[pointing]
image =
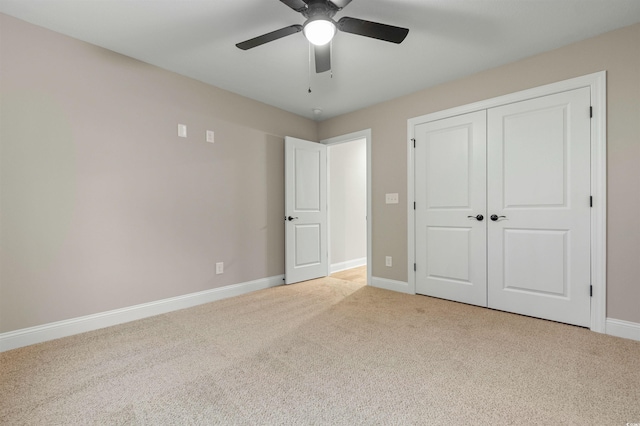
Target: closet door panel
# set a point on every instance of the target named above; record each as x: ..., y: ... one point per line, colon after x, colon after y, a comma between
x: 450, y: 188
x: 539, y: 187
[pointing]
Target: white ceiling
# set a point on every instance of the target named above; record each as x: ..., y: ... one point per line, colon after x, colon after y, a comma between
x: 448, y: 39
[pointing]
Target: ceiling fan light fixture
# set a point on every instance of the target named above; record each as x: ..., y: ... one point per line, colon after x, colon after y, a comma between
x: 319, y: 31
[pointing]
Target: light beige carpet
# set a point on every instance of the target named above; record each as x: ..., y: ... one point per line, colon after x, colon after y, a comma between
x: 356, y: 275
x: 326, y: 352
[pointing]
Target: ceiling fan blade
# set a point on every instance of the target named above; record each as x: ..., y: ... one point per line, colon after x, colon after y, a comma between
x: 266, y: 38
x: 297, y: 5
x: 373, y: 29
x: 341, y: 4
x: 323, y: 58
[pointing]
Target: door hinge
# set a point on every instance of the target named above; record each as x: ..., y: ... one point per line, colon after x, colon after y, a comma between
x: 590, y: 112
x: 415, y: 267
x: 591, y: 201
x: 414, y: 142
x: 414, y: 205
x: 590, y: 291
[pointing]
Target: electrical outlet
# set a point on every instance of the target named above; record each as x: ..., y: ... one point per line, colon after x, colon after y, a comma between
x: 182, y: 130
x: 219, y: 267
x: 210, y: 136
x: 388, y: 261
x: 391, y: 198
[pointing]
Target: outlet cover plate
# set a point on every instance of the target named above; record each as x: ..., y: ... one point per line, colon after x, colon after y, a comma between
x: 391, y: 198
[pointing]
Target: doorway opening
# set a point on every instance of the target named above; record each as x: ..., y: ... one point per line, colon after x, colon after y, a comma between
x: 349, y: 211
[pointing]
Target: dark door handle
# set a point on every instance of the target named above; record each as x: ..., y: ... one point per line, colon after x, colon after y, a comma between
x: 478, y: 217
x: 495, y: 217
x: 291, y: 218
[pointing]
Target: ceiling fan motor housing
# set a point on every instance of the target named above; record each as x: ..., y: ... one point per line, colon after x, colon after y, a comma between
x: 319, y: 9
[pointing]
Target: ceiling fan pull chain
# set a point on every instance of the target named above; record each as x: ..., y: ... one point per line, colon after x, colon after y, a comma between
x: 309, y: 68
x: 331, y: 57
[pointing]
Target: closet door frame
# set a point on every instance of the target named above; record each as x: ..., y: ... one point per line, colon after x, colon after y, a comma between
x: 597, y: 84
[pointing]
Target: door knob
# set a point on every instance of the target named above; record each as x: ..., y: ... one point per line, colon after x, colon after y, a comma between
x: 478, y: 217
x: 495, y: 217
x: 291, y: 218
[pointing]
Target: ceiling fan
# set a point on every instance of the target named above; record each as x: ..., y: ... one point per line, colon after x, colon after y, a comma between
x: 319, y: 28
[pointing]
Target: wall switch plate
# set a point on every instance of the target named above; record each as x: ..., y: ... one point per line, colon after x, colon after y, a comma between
x: 182, y: 130
x: 210, y: 136
x: 219, y: 268
x: 388, y: 261
x: 391, y: 198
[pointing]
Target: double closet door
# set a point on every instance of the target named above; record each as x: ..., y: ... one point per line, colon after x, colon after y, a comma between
x: 503, y: 207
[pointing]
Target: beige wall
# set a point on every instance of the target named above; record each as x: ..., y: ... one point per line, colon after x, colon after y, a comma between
x: 103, y: 206
x: 618, y: 53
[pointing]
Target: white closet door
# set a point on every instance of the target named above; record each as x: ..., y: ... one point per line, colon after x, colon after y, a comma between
x: 450, y: 190
x: 539, y: 187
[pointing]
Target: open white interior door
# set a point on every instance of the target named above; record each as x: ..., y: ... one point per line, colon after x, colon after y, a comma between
x: 305, y: 210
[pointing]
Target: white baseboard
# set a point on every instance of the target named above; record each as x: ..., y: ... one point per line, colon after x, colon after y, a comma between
x: 620, y: 328
x: 56, y: 330
x: 387, y: 284
x: 342, y: 266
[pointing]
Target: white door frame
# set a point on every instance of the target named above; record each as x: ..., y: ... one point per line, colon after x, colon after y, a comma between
x: 597, y: 83
x: 350, y: 137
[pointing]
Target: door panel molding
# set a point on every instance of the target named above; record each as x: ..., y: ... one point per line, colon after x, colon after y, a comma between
x: 597, y: 84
